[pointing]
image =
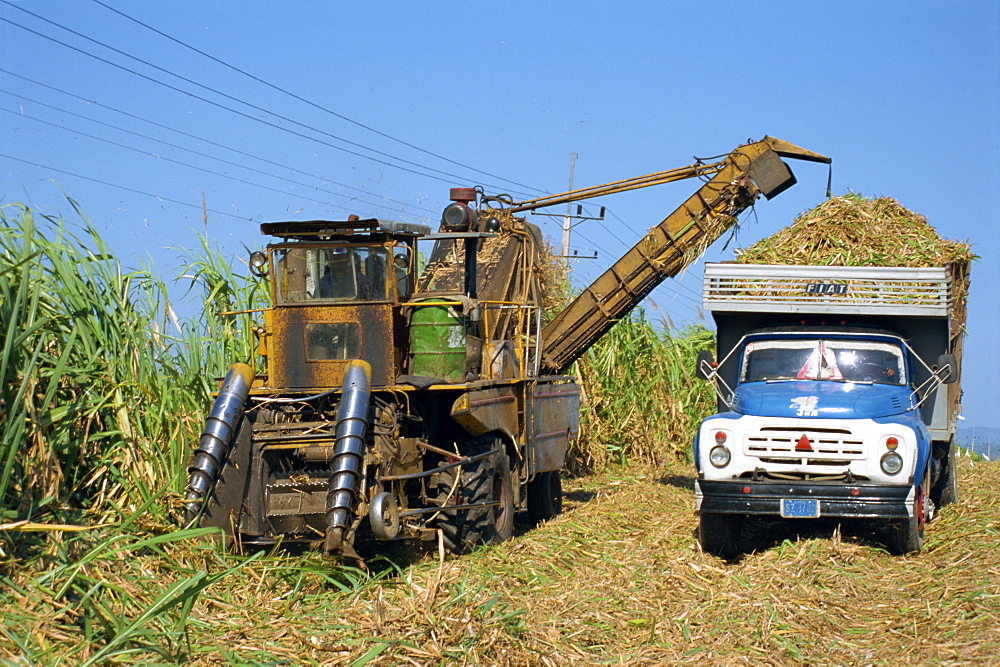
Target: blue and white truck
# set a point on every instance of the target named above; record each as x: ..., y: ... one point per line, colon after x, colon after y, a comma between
x: 838, y: 394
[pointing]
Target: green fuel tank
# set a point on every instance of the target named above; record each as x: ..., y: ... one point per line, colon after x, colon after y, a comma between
x: 437, y: 341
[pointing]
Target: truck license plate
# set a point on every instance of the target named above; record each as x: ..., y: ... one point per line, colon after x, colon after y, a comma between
x: 796, y: 508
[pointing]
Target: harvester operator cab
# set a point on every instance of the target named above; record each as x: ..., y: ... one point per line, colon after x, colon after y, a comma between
x: 306, y: 274
x: 342, y: 277
x: 338, y: 292
x: 319, y: 265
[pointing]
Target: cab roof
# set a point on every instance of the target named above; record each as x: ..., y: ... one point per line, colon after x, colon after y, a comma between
x: 316, y: 230
x: 829, y: 331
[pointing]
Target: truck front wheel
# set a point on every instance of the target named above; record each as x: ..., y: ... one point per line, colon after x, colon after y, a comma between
x: 719, y: 534
x: 906, y: 536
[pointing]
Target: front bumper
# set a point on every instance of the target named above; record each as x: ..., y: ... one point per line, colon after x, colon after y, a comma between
x: 743, y: 496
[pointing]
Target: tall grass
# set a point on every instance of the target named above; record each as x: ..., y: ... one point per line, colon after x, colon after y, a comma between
x: 102, y: 391
x: 230, y: 306
x: 99, y: 402
x: 642, y: 401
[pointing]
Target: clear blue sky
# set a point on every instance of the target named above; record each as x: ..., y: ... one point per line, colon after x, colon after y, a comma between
x: 904, y: 96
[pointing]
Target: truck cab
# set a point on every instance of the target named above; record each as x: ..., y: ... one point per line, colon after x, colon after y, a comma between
x: 840, y: 415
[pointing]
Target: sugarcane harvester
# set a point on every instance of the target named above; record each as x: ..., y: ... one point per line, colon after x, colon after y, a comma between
x: 394, y: 405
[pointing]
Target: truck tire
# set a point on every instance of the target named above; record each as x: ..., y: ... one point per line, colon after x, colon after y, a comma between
x: 488, y: 480
x: 906, y: 536
x: 719, y: 534
x: 945, y: 491
x: 545, y: 496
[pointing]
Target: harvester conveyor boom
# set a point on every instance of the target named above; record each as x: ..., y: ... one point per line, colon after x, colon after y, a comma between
x: 737, y: 180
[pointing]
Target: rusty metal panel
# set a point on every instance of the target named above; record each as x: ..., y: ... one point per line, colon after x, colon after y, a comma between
x: 552, y: 419
x: 310, y: 346
x: 481, y: 411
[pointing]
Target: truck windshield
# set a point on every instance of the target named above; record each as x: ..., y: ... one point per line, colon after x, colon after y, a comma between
x: 816, y: 359
x: 336, y: 273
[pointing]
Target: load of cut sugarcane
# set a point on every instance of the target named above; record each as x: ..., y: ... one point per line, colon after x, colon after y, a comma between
x: 852, y: 230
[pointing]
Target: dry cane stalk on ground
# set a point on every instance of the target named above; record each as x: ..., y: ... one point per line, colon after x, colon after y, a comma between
x: 617, y: 578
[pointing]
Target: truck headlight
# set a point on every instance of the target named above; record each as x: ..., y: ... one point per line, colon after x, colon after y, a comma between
x: 719, y: 456
x: 891, y: 463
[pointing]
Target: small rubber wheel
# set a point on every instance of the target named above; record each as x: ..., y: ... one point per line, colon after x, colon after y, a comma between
x: 384, y: 516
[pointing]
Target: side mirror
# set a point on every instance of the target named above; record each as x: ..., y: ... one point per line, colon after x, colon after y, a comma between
x: 706, y: 365
x: 947, y: 368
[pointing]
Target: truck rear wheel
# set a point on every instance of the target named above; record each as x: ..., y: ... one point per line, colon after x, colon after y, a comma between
x: 487, y: 482
x: 945, y: 491
x: 545, y: 496
x: 719, y: 534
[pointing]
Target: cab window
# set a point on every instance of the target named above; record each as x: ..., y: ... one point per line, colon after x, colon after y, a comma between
x: 335, y: 273
x: 833, y: 359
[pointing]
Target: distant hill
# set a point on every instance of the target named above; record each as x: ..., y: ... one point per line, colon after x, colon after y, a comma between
x: 980, y: 439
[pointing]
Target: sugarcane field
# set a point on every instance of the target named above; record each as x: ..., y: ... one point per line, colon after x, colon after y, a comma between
x: 103, y: 561
x: 490, y: 333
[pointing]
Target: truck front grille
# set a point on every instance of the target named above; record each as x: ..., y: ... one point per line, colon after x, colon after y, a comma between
x: 828, y: 447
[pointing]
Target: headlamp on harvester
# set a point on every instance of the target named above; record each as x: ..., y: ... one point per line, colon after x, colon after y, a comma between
x: 258, y: 263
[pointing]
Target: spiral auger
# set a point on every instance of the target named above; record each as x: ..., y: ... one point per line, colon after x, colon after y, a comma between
x: 216, y: 438
x: 348, y: 457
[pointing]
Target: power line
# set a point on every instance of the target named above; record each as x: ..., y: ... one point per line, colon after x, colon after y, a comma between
x: 182, y: 148
x: 309, y: 102
x: 122, y: 187
x: 677, y: 294
x: 695, y: 295
x: 609, y: 232
x: 207, y: 141
x: 195, y: 83
x: 230, y: 109
x: 164, y: 158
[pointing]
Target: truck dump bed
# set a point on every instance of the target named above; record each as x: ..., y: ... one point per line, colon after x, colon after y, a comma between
x: 844, y: 290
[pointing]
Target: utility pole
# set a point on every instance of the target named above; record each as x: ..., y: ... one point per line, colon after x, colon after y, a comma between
x: 204, y: 213
x: 568, y: 218
x: 569, y: 211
